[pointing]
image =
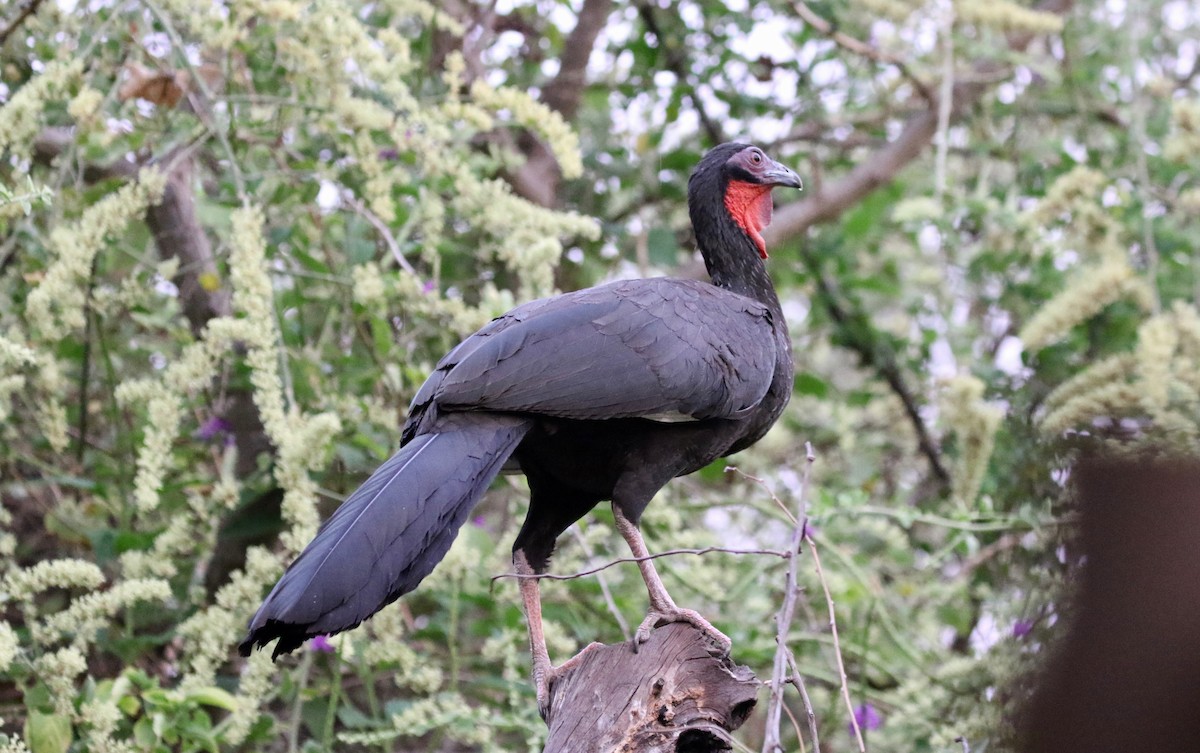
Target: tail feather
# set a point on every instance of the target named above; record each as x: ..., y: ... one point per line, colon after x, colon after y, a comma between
x: 389, y: 534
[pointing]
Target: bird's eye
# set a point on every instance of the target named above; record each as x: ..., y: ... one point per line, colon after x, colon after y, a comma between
x: 756, y: 158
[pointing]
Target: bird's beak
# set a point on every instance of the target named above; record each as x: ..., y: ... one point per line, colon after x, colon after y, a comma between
x: 779, y: 175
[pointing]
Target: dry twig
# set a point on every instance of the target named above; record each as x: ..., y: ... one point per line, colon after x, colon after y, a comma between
x: 850, y: 44
x: 798, y: 681
x: 878, y: 169
x: 380, y: 226
x: 603, y: 582
x: 783, y: 623
x: 25, y: 12
x: 837, y: 646
x: 621, y: 560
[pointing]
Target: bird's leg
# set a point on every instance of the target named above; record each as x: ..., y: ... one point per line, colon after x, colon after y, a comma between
x: 544, y: 673
x: 663, y: 609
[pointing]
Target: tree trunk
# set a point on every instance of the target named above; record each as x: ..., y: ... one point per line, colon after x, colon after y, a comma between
x: 672, y: 696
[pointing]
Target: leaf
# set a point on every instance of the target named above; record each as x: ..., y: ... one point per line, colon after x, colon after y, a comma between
x: 143, y: 732
x: 807, y: 384
x: 48, y: 733
x: 214, y: 696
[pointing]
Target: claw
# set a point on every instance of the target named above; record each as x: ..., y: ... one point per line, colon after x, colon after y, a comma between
x: 659, y: 617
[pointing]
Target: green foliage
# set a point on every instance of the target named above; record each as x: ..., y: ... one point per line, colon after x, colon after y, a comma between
x: 175, y: 420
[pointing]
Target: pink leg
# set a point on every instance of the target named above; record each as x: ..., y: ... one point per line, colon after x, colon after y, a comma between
x: 544, y: 673
x: 663, y: 609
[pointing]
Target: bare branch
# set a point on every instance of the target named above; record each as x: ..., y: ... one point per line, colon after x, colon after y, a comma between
x: 25, y: 12
x: 783, y: 619
x: 883, y: 363
x: 538, y: 179
x: 837, y: 646
x: 179, y: 234
x: 798, y: 681
x: 565, y: 90
x: 677, y: 63
x: 945, y: 99
x: 849, y: 43
x: 833, y: 198
x: 380, y: 227
x: 622, y: 560
x: 603, y: 583
x: 829, y: 201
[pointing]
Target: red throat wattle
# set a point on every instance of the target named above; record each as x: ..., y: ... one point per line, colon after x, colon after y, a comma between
x: 750, y: 206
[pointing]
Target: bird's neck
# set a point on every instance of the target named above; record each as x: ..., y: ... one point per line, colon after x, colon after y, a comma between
x: 741, y: 272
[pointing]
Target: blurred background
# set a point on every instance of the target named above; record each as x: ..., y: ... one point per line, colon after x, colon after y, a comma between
x: 236, y: 236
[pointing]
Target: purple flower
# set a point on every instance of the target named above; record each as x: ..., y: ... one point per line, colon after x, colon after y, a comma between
x: 321, y: 643
x: 867, y: 718
x: 1022, y: 628
x: 214, y: 428
x: 478, y: 521
x: 389, y: 154
x: 428, y: 287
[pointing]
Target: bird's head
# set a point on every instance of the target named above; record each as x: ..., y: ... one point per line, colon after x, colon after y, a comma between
x: 736, y: 179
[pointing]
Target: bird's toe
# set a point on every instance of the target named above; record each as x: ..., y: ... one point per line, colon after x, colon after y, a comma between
x: 659, y: 617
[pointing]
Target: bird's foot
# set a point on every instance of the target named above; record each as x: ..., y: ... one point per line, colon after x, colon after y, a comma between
x: 659, y: 617
x: 544, y: 677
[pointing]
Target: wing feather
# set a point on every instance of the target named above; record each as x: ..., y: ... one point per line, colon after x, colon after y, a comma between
x: 658, y: 347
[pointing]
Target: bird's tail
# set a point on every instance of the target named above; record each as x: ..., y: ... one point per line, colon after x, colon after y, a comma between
x: 389, y: 534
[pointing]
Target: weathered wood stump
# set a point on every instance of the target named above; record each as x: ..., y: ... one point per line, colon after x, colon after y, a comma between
x: 675, y: 695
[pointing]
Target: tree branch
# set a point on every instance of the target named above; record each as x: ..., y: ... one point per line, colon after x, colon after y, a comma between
x: 179, y: 234
x: 622, y: 560
x: 837, y: 646
x: 677, y: 63
x: 538, y: 179
x: 565, y: 90
x: 783, y: 624
x: 828, y: 202
x: 176, y: 227
x: 849, y: 43
x: 878, y: 359
x: 670, y: 695
x: 25, y: 12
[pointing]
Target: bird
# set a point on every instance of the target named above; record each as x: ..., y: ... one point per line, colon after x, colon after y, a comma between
x: 602, y: 394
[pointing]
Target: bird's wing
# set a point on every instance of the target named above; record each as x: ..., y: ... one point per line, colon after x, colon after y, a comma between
x: 658, y: 348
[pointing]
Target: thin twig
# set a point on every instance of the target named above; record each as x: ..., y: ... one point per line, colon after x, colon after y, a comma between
x: 218, y: 129
x: 849, y: 43
x: 621, y: 560
x: 677, y: 62
x: 1138, y: 123
x: 783, y: 619
x: 30, y: 8
x: 795, y: 726
x: 945, y: 100
x: 380, y: 227
x: 798, y: 681
x: 603, y: 582
x: 837, y: 646
x: 293, y: 728
x: 965, y: 744
x: 85, y: 368
x: 767, y: 489
x: 861, y: 338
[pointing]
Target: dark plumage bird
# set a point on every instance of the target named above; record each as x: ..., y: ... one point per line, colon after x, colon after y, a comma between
x: 603, y: 394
